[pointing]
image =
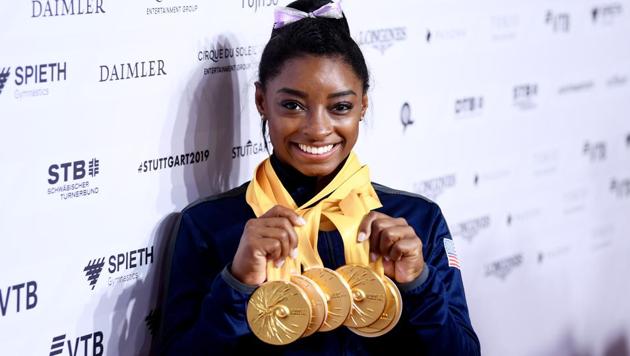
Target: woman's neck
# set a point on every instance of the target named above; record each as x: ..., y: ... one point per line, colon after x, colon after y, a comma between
x: 301, y: 187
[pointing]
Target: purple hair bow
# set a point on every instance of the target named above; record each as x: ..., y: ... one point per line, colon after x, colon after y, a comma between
x: 286, y: 15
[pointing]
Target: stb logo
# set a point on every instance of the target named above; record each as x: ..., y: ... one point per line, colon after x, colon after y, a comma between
x: 4, y: 76
x: 93, y: 270
x: 76, y: 168
x: 405, y: 116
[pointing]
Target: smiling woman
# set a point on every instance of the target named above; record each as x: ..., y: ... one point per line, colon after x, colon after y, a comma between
x: 310, y: 256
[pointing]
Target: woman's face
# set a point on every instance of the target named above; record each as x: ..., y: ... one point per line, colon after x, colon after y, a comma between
x: 313, y: 107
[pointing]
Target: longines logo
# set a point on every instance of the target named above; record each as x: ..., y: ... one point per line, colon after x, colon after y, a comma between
x: 121, y: 262
x: 558, y: 22
x: 468, y: 107
x: 22, y: 295
x: 132, y: 70
x: 504, y: 267
x: 156, y: 164
x: 258, y: 4
x: 28, y: 76
x: 471, y: 228
x: 405, y: 116
x: 433, y: 188
x: 524, y: 96
x: 576, y: 87
x: 594, y: 151
x: 52, y: 8
x: 620, y: 187
x: 382, y: 39
x: 72, y: 179
x: 86, y: 345
x: 171, y: 9
x: 248, y: 149
x: 606, y: 14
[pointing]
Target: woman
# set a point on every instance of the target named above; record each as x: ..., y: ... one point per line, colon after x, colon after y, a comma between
x: 312, y: 94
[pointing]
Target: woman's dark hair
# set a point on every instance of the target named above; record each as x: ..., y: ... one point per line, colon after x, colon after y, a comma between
x: 311, y: 36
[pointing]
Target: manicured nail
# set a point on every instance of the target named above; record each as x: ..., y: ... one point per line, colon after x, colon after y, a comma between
x: 373, y: 257
x: 301, y: 221
x: 386, y: 258
x: 362, y: 236
x: 294, y: 253
x: 279, y: 263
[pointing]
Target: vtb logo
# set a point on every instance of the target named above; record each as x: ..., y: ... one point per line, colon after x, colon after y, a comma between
x: 73, y: 170
x: 4, y: 76
x: 60, y: 345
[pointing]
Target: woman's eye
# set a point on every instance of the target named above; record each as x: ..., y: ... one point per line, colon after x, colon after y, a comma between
x: 343, y: 107
x: 291, y: 105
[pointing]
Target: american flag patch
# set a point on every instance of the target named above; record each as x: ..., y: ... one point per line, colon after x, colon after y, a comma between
x: 451, y: 254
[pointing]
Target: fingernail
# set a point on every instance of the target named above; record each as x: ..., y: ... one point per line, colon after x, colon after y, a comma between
x: 386, y: 258
x: 362, y: 236
x: 301, y: 221
x: 294, y: 253
x: 373, y: 257
x: 279, y: 263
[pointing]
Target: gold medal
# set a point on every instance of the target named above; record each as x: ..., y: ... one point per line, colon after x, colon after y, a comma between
x: 389, y: 318
x: 318, y: 302
x: 368, y: 295
x: 338, y: 295
x: 279, y: 312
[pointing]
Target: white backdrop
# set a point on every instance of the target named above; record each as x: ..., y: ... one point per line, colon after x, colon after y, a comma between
x: 513, y: 116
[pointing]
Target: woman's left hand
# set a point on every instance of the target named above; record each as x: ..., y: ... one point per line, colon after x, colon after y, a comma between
x: 397, y: 242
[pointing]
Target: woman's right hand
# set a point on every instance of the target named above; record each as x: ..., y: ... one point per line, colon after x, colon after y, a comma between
x: 268, y: 237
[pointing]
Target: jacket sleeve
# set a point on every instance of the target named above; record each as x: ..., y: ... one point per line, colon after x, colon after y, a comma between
x: 434, y: 305
x: 204, y: 307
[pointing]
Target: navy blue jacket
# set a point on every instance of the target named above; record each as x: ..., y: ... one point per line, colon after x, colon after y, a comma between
x: 205, y: 306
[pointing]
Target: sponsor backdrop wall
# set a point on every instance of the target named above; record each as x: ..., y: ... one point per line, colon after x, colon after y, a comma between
x: 513, y: 116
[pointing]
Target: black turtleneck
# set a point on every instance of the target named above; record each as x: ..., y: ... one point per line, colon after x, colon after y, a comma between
x: 301, y: 187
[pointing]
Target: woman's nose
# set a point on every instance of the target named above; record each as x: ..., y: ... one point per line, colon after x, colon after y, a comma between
x: 318, y: 124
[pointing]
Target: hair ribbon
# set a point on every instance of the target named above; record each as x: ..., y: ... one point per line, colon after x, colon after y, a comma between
x: 287, y: 15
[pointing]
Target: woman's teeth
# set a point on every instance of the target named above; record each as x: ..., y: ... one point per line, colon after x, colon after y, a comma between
x: 315, y: 150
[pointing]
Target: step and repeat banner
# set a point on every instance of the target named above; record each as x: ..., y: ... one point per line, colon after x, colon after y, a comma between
x: 513, y: 116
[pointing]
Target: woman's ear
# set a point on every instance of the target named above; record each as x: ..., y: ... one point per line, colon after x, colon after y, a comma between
x: 260, y: 98
x: 364, y: 105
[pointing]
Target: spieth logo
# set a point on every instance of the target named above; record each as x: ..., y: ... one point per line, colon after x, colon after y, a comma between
x: 133, y: 70
x: 36, y: 74
x: 24, y: 294
x: 4, y: 76
x: 596, y: 151
x: 524, y: 95
x: 72, y: 177
x: 258, y: 4
x: 48, y: 8
x: 79, y: 345
x: 606, y: 14
x: 405, y: 116
x: 502, y: 268
x: 469, y: 229
x: 248, y: 150
x: 559, y: 22
x: 620, y: 187
x: 433, y: 188
x: 382, y: 39
x: 119, y: 263
x: 468, y: 107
